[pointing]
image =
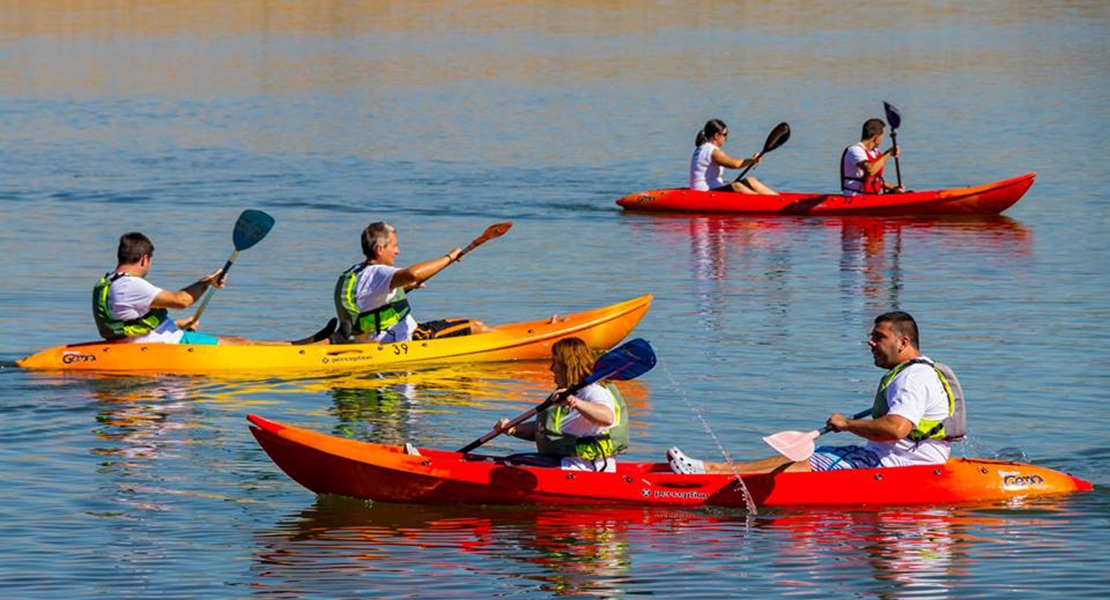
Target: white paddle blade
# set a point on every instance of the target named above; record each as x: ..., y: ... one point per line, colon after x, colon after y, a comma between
x: 795, y: 445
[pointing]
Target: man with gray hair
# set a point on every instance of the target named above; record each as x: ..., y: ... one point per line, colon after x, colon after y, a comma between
x: 370, y: 296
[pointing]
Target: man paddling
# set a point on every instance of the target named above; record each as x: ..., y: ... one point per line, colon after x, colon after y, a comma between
x: 915, y: 414
x: 861, y: 164
x: 370, y: 296
x: 127, y: 307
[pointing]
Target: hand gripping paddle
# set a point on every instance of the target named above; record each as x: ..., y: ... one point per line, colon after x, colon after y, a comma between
x: 797, y: 445
x: 627, y: 361
x: 895, y: 119
x: 252, y: 226
x: 776, y: 138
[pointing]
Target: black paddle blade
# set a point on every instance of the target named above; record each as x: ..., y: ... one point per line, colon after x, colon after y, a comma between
x: 893, y: 117
x: 777, y: 137
x: 252, y: 226
x: 627, y: 361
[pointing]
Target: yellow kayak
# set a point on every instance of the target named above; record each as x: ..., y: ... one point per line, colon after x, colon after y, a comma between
x: 601, y: 328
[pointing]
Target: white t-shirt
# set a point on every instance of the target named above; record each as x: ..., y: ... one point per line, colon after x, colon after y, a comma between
x: 578, y: 426
x: 850, y: 168
x: 916, y: 393
x: 372, y: 291
x: 129, y: 298
x: 705, y: 173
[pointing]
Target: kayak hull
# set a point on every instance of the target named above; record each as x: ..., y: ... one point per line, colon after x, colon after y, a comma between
x: 331, y: 465
x: 989, y: 199
x: 600, y: 328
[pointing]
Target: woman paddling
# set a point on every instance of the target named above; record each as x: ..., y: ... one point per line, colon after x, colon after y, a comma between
x: 709, y: 161
x: 584, y: 431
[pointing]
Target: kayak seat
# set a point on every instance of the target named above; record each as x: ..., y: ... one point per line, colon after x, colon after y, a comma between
x: 534, y: 459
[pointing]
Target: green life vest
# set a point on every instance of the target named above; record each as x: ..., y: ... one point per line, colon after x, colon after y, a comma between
x: 953, y: 427
x: 112, y: 328
x: 551, y: 440
x: 372, y: 321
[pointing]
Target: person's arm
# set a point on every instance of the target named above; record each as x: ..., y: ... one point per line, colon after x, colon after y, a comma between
x: 185, y: 297
x: 524, y: 431
x: 887, y: 428
x: 592, y: 411
x: 872, y: 167
x: 722, y: 158
x: 410, y: 277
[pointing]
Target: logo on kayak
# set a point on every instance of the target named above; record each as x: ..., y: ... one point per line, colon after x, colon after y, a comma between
x: 644, y: 199
x: 670, y: 494
x: 77, y: 357
x: 346, y: 359
x: 1012, y: 480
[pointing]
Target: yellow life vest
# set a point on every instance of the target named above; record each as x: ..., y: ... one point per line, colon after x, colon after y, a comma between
x: 375, y: 320
x: 112, y: 328
x: 951, y: 428
x: 551, y: 440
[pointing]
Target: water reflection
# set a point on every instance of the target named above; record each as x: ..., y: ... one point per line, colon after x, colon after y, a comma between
x: 871, y: 259
x: 614, y: 551
x: 393, y: 408
x: 909, y: 553
x: 757, y: 251
x: 561, y: 551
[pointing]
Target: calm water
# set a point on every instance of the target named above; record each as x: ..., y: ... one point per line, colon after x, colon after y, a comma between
x: 173, y: 116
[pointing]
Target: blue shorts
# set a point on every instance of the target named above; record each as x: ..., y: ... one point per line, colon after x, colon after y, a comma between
x: 831, y: 458
x: 198, y: 339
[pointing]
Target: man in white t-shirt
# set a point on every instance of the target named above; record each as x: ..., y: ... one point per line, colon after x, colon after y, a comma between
x: 127, y: 307
x: 910, y: 402
x: 861, y: 164
x: 370, y: 296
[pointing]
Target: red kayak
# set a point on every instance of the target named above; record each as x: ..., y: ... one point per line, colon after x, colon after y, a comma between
x: 989, y: 199
x: 332, y: 465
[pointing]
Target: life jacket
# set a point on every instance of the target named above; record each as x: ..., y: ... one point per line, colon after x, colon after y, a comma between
x: 953, y: 427
x: 551, y: 440
x: 869, y: 184
x: 112, y: 328
x: 375, y: 320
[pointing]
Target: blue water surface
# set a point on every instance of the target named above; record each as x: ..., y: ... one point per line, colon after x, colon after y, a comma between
x: 442, y: 118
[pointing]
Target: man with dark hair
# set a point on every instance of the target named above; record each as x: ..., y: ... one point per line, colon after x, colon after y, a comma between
x: 370, y: 296
x: 916, y: 401
x: 128, y: 307
x: 861, y: 164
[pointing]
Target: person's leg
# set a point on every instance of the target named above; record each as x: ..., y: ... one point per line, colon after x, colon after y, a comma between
x: 771, y: 464
x: 451, y: 327
x: 196, y: 338
x: 479, y: 327
x: 741, y: 188
x: 755, y: 186
x: 680, y: 463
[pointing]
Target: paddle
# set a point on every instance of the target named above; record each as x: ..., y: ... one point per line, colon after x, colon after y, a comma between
x: 776, y: 138
x: 797, y: 445
x: 895, y: 119
x: 252, y: 226
x: 627, y: 361
x: 493, y: 231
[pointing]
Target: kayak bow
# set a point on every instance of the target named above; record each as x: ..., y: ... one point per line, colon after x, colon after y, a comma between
x: 332, y: 465
x: 989, y: 199
x: 601, y: 328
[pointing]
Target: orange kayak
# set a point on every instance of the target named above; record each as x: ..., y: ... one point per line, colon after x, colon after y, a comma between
x: 601, y: 328
x: 332, y: 465
x: 989, y: 199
